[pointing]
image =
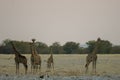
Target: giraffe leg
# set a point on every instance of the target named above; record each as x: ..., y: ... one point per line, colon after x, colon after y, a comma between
x: 95, y: 67
x: 86, y: 66
x: 48, y: 66
x: 16, y: 68
x: 36, y: 68
x: 26, y: 67
x: 53, y: 66
x: 40, y: 68
x: 86, y: 69
x: 31, y: 68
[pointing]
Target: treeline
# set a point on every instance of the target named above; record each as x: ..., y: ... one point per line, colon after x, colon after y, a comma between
x: 106, y: 47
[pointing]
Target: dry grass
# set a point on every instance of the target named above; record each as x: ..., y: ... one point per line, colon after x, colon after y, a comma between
x: 66, y: 65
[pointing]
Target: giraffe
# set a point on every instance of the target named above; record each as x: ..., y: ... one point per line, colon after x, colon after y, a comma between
x: 50, y: 61
x: 19, y: 59
x: 35, y: 58
x: 93, y: 57
x: 32, y: 57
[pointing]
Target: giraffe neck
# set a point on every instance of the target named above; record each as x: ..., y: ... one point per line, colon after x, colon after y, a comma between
x: 34, y: 48
x: 51, y: 54
x: 94, y: 52
x: 95, y: 49
x: 32, y: 52
x: 15, y: 50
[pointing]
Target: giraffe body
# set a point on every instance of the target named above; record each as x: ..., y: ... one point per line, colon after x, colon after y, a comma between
x: 50, y: 61
x: 19, y: 59
x: 93, y: 57
x: 35, y: 59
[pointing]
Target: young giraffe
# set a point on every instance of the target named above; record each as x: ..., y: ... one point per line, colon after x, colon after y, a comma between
x: 50, y: 61
x: 32, y: 58
x: 92, y: 57
x: 35, y: 58
x: 19, y: 59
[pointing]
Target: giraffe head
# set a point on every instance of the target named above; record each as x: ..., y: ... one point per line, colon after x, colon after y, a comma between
x: 98, y: 39
x: 33, y: 40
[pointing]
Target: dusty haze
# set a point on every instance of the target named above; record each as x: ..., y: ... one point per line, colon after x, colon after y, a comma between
x: 60, y: 20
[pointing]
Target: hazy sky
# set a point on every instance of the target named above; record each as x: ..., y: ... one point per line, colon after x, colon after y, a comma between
x: 60, y: 20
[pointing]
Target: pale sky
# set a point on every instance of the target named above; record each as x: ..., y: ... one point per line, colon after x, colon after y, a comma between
x: 52, y: 21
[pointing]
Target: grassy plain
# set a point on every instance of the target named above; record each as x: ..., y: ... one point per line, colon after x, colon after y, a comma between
x: 66, y: 65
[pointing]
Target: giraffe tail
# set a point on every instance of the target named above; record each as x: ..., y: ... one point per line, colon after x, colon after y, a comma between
x: 26, y: 66
x: 86, y: 65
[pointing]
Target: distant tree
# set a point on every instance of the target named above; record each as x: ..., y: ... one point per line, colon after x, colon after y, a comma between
x: 71, y: 47
x: 91, y: 45
x: 6, y: 47
x: 42, y: 48
x: 22, y: 46
x: 115, y: 50
x: 56, y: 48
x: 83, y: 50
x: 6, y: 42
x: 104, y: 46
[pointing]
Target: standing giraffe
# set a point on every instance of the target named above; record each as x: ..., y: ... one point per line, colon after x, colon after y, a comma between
x: 32, y: 57
x: 50, y: 61
x: 93, y: 57
x: 35, y: 58
x: 19, y: 59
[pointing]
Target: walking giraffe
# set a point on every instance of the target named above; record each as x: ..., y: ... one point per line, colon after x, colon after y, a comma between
x: 35, y: 58
x: 19, y: 59
x: 50, y: 61
x: 93, y: 57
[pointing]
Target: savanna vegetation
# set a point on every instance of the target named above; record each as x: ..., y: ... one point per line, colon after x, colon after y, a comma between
x: 106, y: 47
